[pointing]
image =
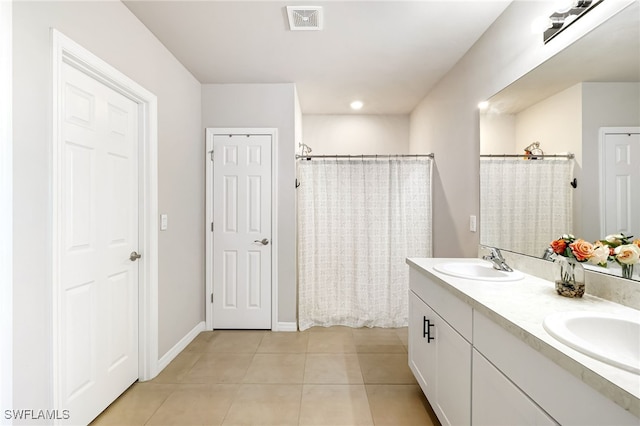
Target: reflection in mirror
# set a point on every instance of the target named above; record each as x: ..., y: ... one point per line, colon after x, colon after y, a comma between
x: 585, y: 101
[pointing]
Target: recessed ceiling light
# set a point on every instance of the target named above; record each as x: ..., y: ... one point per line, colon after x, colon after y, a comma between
x: 356, y: 105
x: 483, y: 105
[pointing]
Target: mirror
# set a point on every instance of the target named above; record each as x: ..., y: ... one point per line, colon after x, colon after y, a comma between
x: 563, y: 104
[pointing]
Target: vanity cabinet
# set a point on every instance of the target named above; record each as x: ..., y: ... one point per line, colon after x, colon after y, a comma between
x: 439, y: 356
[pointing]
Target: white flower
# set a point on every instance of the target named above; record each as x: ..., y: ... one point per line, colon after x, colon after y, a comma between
x: 627, y: 254
x: 600, y: 255
x: 614, y: 238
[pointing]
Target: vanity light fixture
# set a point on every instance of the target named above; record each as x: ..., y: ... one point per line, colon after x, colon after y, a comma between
x: 565, y: 13
x: 357, y: 105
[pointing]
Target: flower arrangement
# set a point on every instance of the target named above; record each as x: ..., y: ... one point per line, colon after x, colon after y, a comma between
x: 616, y: 247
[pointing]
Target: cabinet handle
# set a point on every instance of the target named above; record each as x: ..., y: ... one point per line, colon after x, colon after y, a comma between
x: 426, y: 329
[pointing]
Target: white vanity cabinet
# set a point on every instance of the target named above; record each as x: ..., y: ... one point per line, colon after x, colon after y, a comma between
x: 439, y: 356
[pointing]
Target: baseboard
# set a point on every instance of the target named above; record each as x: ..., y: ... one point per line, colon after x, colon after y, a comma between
x: 286, y: 326
x: 179, y: 347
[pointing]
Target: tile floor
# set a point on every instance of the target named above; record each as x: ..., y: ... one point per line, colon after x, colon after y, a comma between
x: 322, y: 376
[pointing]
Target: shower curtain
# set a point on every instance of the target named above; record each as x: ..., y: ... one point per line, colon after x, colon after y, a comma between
x: 358, y: 220
x: 525, y: 204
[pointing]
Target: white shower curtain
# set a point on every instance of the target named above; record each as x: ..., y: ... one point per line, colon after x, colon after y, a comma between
x: 358, y: 220
x: 525, y: 204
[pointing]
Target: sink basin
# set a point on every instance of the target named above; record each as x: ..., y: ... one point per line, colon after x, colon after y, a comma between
x: 477, y: 270
x: 606, y: 337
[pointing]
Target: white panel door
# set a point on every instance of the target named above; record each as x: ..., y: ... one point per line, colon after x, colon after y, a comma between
x: 98, y: 297
x: 242, y: 231
x: 622, y: 183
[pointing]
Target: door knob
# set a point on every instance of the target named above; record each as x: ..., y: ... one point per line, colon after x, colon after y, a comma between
x: 134, y: 256
x: 264, y: 241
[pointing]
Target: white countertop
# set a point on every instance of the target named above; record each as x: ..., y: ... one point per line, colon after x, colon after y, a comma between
x: 521, y: 306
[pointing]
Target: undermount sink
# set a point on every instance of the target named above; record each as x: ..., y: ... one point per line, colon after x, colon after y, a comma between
x: 477, y: 270
x: 612, y: 339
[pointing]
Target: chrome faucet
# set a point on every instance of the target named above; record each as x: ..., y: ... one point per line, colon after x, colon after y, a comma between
x: 496, y: 258
x: 548, y: 254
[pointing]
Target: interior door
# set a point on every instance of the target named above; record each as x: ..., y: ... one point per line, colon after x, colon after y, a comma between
x: 98, y: 299
x: 621, y: 207
x: 242, y: 231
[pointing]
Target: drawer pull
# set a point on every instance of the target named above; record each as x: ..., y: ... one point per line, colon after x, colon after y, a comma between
x: 426, y: 329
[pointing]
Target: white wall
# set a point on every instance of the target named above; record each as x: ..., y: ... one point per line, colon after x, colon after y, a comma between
x: 6, y: 212
x: 356, y: 134
x: 604, y: 105
x: 274, y: 106
x: 110, y: 31
x: 446, y: 122
x: 497, y: 133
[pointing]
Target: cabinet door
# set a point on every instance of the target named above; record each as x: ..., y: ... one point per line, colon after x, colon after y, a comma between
x: 441, y: 365
x: 421, y: 353
x: 452, y: 403
x: 497, y: 401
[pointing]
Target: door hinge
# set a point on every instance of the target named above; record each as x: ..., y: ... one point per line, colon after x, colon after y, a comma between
x: 211, y: 226
x: 211, y: 153
x: 211, y: 297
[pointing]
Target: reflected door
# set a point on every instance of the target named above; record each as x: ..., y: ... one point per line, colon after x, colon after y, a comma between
x: 621, y: 186
x: 242, y: 231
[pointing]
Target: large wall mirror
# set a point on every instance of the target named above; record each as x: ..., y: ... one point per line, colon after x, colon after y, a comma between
x: 572, y: 105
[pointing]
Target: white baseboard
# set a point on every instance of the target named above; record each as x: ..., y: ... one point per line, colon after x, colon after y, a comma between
x: 286, y: 326
x: 179, y: 347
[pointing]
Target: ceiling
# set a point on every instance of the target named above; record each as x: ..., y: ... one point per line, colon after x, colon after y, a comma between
x: 388, y: 54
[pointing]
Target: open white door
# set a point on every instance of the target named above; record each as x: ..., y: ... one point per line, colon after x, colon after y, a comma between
x: 98, y: 273
x: 241, y: 231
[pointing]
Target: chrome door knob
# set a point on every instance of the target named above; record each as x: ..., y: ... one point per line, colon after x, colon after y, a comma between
x: 264, y: 241
x: 134, y: 256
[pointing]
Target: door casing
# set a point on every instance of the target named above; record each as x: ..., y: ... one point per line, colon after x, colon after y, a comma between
x: 209, y: 134
x: 65, y: 50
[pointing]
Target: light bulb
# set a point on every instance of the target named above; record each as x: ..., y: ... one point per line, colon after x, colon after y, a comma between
x: 356, y: 105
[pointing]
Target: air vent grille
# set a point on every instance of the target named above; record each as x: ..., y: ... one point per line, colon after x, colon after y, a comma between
x: 305, y: 18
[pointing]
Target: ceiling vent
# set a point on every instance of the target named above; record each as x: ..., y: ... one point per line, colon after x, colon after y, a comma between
x: 305, y: 18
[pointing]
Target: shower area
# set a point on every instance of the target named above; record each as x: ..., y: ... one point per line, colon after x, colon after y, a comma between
x: 359, y: 217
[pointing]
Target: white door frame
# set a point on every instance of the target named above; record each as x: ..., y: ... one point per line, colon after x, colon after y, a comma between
x: 209, y: 134
x: 6, y: 213
x: 67, y: 51
x: 604, y: 131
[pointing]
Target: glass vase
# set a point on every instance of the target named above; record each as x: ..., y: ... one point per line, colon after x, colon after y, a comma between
x: 569, y: 277
x: 627, y: 270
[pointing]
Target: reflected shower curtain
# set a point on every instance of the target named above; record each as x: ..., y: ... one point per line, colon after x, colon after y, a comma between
x: 358, y: 220
x: 525, y: 204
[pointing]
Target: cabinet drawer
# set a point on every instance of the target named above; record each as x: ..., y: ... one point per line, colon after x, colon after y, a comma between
x: 457, y: 313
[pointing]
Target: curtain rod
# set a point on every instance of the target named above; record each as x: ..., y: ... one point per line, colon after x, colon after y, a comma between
x: 569, y: 156
x: 309, y: 157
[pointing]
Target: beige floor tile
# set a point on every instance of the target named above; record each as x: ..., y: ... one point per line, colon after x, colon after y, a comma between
x: 235, y: 341
x: 403, y: 334
x: 332, y: 368
x: 334, y: 405
x: 195, y: 404
x: 219, y: 368
x: 201, y: 342
x: 284, y: 343
x: 178, y: 368
x: 331, y: 342
x: 386, y: 369
x: 276, y: 368
x: 265, y: 405
x: 376, y: 336
x: 136, y: 405
x: 398, y: 405
x: 332, y: 329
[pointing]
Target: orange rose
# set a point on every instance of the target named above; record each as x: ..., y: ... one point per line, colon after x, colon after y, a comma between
x: 558, y: 246
x: 581, y: 249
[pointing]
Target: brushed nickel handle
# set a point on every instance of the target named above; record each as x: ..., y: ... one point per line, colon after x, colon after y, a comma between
x: 134, y: 256
x: 264, y: 241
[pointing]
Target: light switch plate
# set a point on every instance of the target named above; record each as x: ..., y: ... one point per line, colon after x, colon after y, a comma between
x: 472, y: 223
x: 164, y: 219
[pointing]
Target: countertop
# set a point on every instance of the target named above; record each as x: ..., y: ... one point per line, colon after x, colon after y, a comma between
x: 521, y: 306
